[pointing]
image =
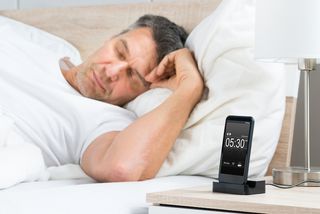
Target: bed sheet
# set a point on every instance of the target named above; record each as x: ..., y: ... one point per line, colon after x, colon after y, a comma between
x: 86, y: 196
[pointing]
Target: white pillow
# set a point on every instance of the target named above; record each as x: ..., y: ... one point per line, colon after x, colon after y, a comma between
x: 238, y: 85
x: 46, y: 40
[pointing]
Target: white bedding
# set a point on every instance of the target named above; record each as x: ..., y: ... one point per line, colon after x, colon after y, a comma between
x: 25, y: 163
x: 84, y: 197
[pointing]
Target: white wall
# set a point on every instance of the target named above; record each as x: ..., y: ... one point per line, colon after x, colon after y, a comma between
x: 8, y: 4
x: 28, y: 4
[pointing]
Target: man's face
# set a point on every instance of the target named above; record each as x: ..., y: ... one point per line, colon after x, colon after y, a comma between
x: 115, y: 72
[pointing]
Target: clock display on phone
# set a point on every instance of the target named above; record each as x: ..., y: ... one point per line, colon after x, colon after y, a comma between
x: 235, y: 147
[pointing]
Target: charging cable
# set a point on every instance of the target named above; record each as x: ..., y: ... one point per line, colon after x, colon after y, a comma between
x: 294, y: 185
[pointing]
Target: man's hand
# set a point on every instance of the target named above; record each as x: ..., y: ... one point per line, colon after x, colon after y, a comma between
x: 178, y: 70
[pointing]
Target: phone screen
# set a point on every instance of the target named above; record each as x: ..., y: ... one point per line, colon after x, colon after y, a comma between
x: 235, y: 147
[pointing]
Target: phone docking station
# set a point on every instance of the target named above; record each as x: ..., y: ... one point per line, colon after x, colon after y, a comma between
x: 248, y: 188
x: 235, y: 158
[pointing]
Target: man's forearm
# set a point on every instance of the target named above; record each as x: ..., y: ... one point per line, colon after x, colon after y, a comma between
x: 145, y: 144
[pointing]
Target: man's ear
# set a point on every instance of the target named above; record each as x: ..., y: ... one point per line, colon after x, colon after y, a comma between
x: 65, y: 64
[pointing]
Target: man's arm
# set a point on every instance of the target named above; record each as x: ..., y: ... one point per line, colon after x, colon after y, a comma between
x: 138, y: 152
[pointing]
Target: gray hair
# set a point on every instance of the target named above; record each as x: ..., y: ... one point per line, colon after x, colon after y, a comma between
x: 167, y: 35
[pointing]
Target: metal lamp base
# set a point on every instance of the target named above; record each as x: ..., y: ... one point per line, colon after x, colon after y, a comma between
x: 293, y: 175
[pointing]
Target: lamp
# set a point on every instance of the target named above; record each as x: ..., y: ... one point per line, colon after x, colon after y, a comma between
x: 288, y: 31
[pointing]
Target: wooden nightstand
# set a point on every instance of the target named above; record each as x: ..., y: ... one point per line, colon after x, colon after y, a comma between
x: 202, y: 200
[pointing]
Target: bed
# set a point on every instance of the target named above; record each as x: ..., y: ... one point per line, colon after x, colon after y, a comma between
x: 84, y: 195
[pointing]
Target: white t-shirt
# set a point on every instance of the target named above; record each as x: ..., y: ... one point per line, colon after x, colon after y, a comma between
x: 47, y: 111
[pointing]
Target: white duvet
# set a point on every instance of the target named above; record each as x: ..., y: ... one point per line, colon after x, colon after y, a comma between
x: 22, y: 161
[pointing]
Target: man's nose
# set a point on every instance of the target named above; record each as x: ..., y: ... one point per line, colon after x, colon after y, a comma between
x: 115, y: 69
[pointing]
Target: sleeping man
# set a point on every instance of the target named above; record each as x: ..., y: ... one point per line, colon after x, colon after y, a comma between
x: 74, y: 115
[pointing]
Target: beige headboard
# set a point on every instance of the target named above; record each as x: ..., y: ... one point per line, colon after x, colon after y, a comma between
x: 88, y: 27
x: 282, y: 156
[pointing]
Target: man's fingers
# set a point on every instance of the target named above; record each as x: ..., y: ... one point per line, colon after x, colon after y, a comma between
x: 166, y: 83
x: 164, y: 70
x: 160, y: 84
x: 152, y: 76
x: 164, y: 65
x: 177, y: 68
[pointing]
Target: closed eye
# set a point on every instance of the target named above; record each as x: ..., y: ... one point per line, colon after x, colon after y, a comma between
x: 136, y: 78
x: 130, y: 72
x: 120, y: 54
x: 142, y: 80
x: 122, y: 49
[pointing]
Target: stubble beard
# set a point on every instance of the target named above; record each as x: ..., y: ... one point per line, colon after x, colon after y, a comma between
x: 85, y: 85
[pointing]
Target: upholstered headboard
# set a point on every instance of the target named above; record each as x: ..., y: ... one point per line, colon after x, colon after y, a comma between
x: 88, y: 27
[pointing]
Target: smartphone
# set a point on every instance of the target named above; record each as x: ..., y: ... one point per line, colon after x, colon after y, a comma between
x: 236, y: 148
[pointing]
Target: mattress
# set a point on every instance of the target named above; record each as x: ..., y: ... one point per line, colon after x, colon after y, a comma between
x: 86, y: 196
